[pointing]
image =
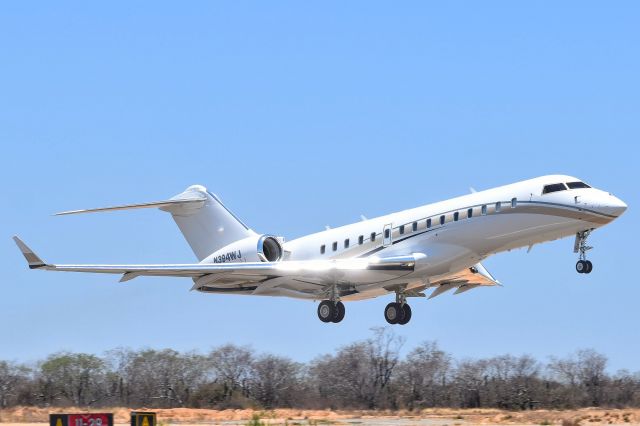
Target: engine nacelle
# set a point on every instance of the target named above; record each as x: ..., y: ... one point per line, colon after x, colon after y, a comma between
x: 258, y: 248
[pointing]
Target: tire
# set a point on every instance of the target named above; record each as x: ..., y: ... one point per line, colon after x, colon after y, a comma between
x: 339, y: 312
x: 326, y: 311
x: 392, y: 313
x: 406, y: 310
x: 581, y: 266
x: 589, y: 267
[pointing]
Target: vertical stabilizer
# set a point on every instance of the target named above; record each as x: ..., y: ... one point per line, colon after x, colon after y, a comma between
x: 207, y: 226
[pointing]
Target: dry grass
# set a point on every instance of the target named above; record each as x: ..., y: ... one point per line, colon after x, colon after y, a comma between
x: 185, y: 416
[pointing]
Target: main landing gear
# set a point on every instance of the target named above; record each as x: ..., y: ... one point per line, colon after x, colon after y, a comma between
x: 330, y: 311
x: 398, y: 312
x: 583, y: 266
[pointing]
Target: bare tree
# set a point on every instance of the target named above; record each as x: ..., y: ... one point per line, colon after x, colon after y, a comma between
x: 274, y: 381
x: 119, y: 362
x: 359, y: 374
x: 582, y: 378
x: 623, y: 389
x: 13, y: 378
x: 365, y: 374
x: 164, y: 378
x: 470, y: 382
x: 512, y: 382
x: 591, y: 372
x: 231, y: 366
x: 424, y: 377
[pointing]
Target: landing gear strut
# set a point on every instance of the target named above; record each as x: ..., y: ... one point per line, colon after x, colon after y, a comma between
x: 398, y: 312
x: 583, y: 266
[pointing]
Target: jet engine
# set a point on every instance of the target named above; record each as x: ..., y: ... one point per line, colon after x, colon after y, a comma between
x: 257, y: 248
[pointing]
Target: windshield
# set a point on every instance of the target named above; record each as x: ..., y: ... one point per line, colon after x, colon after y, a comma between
x: 554, y: 187
x: 577, y: 185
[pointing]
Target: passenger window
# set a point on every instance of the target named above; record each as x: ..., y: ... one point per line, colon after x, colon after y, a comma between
x: 456, y: 215
x: 361, y: 239
x: 428, y: 223
x: 484, y: 210
x: 335, y: 246
x: 442, y: 220
x: 577, y: 185
x: 498, y: 207
x: 323, y: 248
x: 387, y: 233
x: 346, y: 243
x: 401, y: 229
x: 373, y: 236
x: 414, y: 227
x: 514, y: 203
x: 469, y: 213
x: 555, y: 187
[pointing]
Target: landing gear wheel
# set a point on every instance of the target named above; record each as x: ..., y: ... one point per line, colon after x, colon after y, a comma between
x: 406, y: 310
x: 339, y: 312
x: 581, y: 266
x: 589, y: 267
x: 326, y: 311
x: 394, y: 313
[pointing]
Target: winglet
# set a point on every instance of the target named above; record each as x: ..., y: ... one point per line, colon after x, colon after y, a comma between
x: 32, y: 258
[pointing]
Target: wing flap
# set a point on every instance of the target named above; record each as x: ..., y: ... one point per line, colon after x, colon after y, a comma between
x: 465, y: 280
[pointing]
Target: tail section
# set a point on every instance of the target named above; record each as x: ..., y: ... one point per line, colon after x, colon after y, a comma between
x: 209, y: 226
x: 205, y: 222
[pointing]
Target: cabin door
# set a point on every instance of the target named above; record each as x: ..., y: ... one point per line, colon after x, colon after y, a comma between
x: 387, y: 235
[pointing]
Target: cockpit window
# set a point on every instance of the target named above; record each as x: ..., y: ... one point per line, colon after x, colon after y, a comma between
x: 554, y: 187
x: 576, y: 185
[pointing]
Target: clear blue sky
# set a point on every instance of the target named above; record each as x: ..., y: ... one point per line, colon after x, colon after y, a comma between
x: 299, y: 115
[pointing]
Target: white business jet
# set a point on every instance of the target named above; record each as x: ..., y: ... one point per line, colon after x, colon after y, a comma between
x: 438, y: 246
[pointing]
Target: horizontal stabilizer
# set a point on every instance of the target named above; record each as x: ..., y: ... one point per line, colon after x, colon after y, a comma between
x: 205, y: 222
x: 168, y: 204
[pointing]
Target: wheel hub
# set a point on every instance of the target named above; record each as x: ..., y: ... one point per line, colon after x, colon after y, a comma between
x: 325, y: 311
x: 391, y: 313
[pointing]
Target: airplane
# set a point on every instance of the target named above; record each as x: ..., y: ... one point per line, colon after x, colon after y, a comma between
x: 438, y: 246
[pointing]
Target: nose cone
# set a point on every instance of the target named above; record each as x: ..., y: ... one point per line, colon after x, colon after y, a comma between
x: 615, y: 206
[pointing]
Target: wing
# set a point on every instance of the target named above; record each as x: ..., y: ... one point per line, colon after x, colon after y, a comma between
x: 465, y: 280
x: 306, y: 279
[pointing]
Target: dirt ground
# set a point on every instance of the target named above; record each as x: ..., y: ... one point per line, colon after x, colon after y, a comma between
x: 31, y: 416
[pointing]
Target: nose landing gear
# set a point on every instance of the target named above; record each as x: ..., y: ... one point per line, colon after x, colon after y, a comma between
x: 583, y: 266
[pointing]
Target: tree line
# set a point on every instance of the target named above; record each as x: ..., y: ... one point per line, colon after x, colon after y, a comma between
x: 367, y: 374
